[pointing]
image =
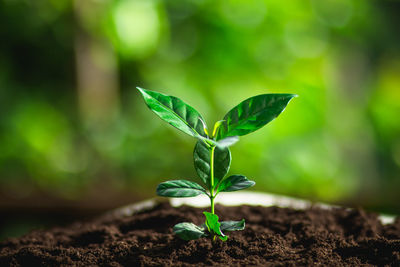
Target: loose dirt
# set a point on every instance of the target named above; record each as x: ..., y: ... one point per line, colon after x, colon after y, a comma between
x: 273, y: 236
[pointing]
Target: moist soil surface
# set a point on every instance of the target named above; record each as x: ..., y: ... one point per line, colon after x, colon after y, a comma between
x: 273, y: 236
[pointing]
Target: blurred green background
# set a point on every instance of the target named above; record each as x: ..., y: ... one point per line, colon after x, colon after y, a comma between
x: 76, y: 138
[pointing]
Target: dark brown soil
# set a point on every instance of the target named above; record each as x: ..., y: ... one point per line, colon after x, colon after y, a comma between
x: 273, y: 236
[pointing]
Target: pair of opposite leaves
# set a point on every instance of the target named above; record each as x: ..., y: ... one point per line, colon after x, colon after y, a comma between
x: 249, y: 116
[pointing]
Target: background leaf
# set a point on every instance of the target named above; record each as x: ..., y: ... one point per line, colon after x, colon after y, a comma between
x: 188, y: 231
x: 179, y: 188
x: 229, y: 226
x: 176, y: 112
x: 252, y: 114
x: 222, y: 162
x: 234, y: 183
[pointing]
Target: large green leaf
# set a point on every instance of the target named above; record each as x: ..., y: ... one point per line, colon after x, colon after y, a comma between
x: 214, y: 226
x: 234, y: 183
x: 179, y: 188
x: 202, y: 159
x: 229, y: 226
x: 252, y: 114
x: 189, y: 231
x: 176, y: 112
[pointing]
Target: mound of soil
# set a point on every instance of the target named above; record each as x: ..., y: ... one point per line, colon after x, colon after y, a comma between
x: 273, y: 236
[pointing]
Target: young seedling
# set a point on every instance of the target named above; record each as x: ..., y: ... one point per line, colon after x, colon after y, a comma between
x: 212, y: 157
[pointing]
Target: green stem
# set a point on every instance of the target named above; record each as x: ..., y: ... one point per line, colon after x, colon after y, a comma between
x: 212, y: 204
x: 212, y: 196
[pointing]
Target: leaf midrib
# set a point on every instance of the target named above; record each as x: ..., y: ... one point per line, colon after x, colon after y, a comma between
x: 239, y: 123
x: 185, y: 188
x: 172, y: 111
x: 242, y: 121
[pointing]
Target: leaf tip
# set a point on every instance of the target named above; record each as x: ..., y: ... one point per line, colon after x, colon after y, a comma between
x: 141, y: 91
x: 158, y: 190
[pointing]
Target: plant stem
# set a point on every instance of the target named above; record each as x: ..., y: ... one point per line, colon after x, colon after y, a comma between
x: 212, y: 196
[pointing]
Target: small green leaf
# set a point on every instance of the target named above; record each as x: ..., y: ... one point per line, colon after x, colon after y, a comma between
x: 234, y: 183
x: 188, y: 231
x: 252, y: 114
x: 180, y: 188
x: 216, y: 126
x: 229, y: 226
x: 176, y: 112
x: 222, y: 162
x: 213, y: 225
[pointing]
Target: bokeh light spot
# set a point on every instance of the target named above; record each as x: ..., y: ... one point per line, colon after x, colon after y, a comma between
x: 138, y: 26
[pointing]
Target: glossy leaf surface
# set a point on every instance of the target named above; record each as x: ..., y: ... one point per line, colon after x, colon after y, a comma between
x: 229, y: 226
x: 252, y: 114
x: 234, y: 183
x: 202, y: 159
x: 179, y: 188
x: 189, y: 231
x: 213, y: 225
x: 176, y: 112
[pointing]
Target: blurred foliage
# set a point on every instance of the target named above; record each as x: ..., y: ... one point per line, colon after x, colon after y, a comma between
x: 338, y: 142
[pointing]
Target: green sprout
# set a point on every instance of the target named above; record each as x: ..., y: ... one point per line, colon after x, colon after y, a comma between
x: 212, y: 157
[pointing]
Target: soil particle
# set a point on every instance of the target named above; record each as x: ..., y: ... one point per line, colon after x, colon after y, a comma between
x: 273, y: 237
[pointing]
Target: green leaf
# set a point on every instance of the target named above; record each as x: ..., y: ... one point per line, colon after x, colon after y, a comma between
x: 216, y: 126
x: 202, y: 159
x: 180, y: 188
x: 234, y: 183
x: 188, y: 231
x: 176, y: 112
x: 252, y: 114
x: 229, y: 226
x: 213, y: 225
